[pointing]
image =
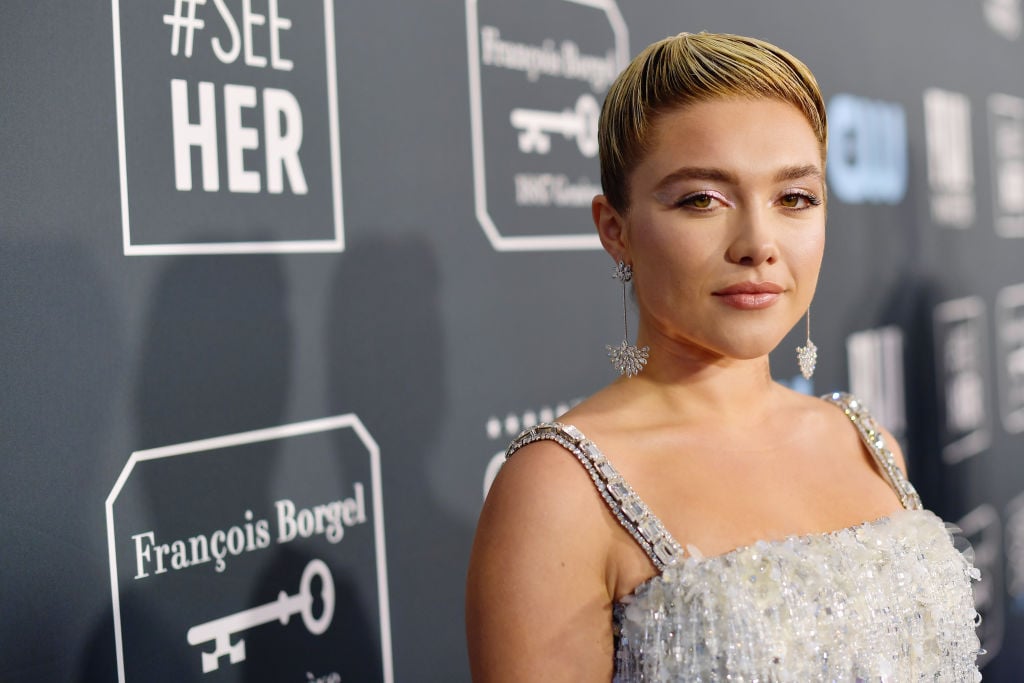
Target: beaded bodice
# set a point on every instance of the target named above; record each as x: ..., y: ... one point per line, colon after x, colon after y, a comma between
x: 887, y: 600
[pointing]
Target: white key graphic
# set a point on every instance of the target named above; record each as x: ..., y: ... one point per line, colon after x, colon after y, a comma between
x: 579, y: 123
x: 220, y: 630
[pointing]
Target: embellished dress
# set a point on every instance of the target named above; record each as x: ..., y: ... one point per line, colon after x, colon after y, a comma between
x: 888, y: 600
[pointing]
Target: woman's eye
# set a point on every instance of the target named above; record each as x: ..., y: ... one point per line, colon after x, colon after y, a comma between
x: 798, y: 200
x: 791, y: 201
x: 700, y: 200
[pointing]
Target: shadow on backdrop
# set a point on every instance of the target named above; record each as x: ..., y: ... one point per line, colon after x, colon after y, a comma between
x: 214, y: 360
x: 386, y: 356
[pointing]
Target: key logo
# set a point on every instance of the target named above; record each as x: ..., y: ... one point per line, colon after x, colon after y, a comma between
x: 960, y: 361
x: 535, y: 96
x: 947, y: 127
x: 1006, y: 126
x: 227, y: 122
x: 221, y: 631
x: 256, y: 556
x: 867, y: 150
x: 1010, y: 334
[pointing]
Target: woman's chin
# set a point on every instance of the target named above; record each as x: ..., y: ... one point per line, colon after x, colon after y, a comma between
x: 722, y: 352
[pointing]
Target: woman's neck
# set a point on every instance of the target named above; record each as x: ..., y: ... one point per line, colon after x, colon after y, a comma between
x: 685, y: 381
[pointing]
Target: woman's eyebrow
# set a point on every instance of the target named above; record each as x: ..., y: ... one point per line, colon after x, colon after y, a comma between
x: 798, y: 172
x: 794, y: 172
x: 697, y: 173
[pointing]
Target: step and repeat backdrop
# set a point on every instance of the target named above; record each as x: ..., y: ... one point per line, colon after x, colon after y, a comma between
x: 279, y: 279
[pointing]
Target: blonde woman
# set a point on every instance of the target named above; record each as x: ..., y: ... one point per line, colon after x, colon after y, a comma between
x: 694, y: 520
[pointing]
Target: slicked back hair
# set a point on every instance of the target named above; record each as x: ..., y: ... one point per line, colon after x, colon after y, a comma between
x: 690, y: 68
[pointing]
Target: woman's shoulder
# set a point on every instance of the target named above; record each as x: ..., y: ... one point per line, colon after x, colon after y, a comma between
x: 547, y: 462
x: 536, y: 464
x: 537, y: 579
x: 841, y: 418
x: 543, y: 484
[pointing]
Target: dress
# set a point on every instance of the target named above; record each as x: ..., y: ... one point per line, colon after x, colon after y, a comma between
x: 886, y: 600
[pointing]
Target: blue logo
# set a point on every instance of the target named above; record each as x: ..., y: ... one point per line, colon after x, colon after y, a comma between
x: 867, y: 150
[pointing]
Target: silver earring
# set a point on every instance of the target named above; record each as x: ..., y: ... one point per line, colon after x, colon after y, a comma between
x: 627, y: 358
x: 807, y: 355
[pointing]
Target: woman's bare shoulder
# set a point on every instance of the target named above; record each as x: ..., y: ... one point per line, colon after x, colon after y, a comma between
x: 839, y: 427
x: 543, y: 495
x: 537, y: 604
x: 541, y: 491
x: 540, y: 467
x: 606, y: 414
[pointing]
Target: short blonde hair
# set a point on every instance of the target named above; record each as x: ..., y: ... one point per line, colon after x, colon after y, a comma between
x: 690, y: 68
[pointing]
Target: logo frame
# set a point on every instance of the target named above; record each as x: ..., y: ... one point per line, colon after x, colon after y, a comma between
x: 346, y: 421
x: 1008, y: 298
x: 968, y: 309
x: 494, y: 235
x: 335, y: 244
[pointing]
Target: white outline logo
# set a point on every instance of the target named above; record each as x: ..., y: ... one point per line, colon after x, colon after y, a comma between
x: 947, y: 128
x: 960, y: 363
x: 336, y: 244
x: 1003, y: 17
x: 1006, y: 130
x: 1010, y: 333
x: 875, y: 359
x: 499, y: 241
x: 348, y: 421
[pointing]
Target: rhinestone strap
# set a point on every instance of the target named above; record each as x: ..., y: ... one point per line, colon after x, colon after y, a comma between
x: 872, y: 437
x: 622, y: 500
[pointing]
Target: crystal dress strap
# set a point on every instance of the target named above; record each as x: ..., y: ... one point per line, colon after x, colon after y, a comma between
x: 872, y: 437
x: 622, y: 500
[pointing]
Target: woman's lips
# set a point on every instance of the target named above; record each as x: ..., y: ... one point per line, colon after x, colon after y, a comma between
x: 750, y: 295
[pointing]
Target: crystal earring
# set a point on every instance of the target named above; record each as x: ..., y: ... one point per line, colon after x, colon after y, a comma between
x: 807, y: 355
x: 627, y: 358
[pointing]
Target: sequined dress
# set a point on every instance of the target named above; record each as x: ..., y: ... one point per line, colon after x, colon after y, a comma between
x: 888, y: 600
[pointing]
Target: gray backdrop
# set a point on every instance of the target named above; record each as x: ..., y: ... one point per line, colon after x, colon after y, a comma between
x: 285, y: 382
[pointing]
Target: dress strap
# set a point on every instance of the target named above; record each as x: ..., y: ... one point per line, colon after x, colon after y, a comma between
x: 632, y: 513
x: 872, y: 437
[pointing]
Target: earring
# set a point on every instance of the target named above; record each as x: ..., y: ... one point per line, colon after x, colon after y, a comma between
x: 627, y: 359
x: 807, y: 355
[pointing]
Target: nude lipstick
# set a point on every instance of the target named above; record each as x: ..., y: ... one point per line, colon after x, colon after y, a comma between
x: 750, y: 295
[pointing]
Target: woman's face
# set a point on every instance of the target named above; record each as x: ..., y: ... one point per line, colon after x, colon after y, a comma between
x: 726, y: 226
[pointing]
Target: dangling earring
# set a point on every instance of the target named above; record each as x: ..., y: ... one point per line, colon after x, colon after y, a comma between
x: 807, y: 355
x: 628, y: 359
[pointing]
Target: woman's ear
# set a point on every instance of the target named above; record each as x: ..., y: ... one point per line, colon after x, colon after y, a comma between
x: 611, y: 228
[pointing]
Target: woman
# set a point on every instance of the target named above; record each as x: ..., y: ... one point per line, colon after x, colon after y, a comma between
x: 712, y: 524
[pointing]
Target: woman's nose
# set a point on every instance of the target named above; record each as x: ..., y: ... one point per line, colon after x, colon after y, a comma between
x: 753, y: 242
